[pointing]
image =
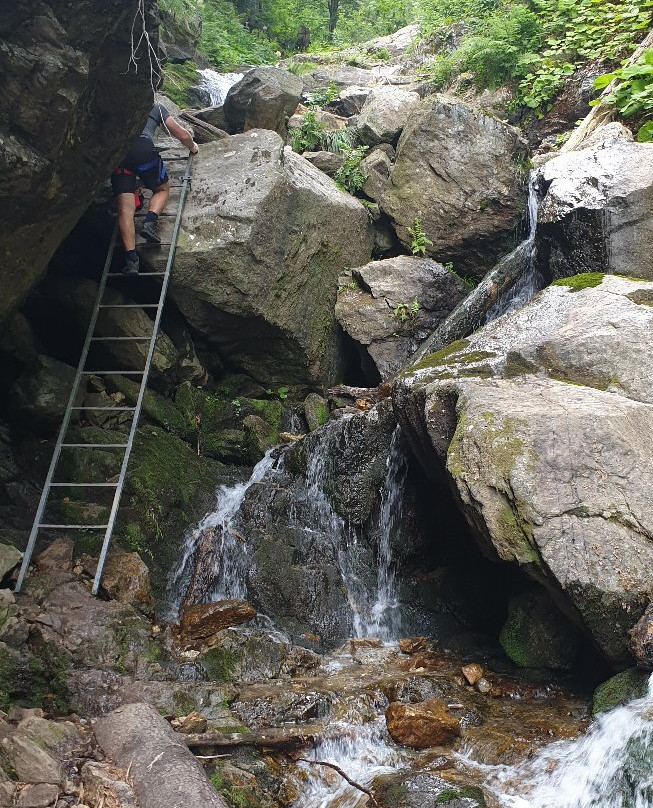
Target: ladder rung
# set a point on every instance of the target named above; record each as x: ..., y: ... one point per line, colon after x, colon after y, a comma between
x: 83, y: 485
x: 116, y: 339
x: 106, y: 409
x: 129, y: 305
x: 143, y: 215
x: 76, y: 527
x: 140, y: 275
x: 116, y: 372
x: 170, y: 159
x: 153, y: 244
x: 94, y: 445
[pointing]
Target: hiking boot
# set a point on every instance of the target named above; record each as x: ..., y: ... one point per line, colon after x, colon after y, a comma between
x: 131, y: 266
x: 149, y: 232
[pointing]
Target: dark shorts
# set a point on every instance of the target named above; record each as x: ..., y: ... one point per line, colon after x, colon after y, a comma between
x: 142, y: 161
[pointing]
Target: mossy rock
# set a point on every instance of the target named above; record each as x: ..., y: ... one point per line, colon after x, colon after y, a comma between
x: 619, y: 689
x: 169, y: 488
x: 219, y: 664
x: 585, y: 280
x: 157, y: 408
x: 537, y: 635
x: 316, y: 411
x: 34, y: 679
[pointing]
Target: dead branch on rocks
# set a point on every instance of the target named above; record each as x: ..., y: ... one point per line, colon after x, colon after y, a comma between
x: 344, y: 775
x: 281, y: 738
x: 207, y: 130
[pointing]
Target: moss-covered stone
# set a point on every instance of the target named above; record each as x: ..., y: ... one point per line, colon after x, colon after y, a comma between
x: 156, y: 407
x: 537, y: 635
x: 619, y: 689
x: 316, y: 411
x: 585, y: 280
x: 219, y: 664
x: 168, y: 489
x: 437, y: 358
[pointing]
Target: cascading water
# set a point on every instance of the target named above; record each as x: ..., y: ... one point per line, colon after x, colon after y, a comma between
x: 229, y: 554
x: 217, y: 85
x: 385, y: 618
x: 530, y: 280
x: 374, y: 614
x: 611, y: 766
x: 362, y: 751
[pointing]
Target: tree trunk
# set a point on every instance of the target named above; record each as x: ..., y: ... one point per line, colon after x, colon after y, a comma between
x: 467, y: 316
x: 161, y: 767
x: 334, y: 6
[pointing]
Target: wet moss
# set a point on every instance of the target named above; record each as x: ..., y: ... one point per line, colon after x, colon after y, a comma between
x: 620, y: 689
x: 585, y: 280
x: 468, y: 793
x: 184, y: 703
x: 437, y: 358
x: 219, y: 664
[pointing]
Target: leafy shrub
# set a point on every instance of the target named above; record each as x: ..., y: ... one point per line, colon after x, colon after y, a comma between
x: 419, y: 240
x: 633, y: 92
x: 351, y: 175
x: 312, y: 136
x: 322, y: 95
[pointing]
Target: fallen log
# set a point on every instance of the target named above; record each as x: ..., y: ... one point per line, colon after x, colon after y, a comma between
x: 161, y: 768
x: 469, y: 313
x: 281, y: 738
x: 204, y: 132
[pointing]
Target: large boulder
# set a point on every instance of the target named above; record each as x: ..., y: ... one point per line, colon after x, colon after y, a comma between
x: 596, y: 213
x: 40, y: 394
x: 384, y: 114
x: 377, y: 167
x: 263, y: 239
x: 538, y: 422
x: 393, y: 305
x: 263, y: 99
x: 66, y: 65
x: 462, y: 174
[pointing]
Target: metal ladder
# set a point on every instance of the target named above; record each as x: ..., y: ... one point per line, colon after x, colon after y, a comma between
x: 83, y: 373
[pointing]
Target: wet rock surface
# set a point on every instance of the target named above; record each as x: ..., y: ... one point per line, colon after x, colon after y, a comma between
x: 487, y: 409
x: 263, y: 99
x: 594, y: 214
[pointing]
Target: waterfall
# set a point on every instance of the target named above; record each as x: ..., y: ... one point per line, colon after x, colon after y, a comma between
x: 530, y: 280
x: 374, y: 614
x: 611, y: 766
x: 385, y: 618
x: 217, y: 85
x: 228, y: 554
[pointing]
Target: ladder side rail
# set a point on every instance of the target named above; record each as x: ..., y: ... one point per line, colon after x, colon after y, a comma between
x: 146, y: 371
x: 67, y: 416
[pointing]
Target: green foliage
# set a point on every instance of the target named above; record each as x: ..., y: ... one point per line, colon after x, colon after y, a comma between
x: 351, y: 176
x: 419, y: 241
x: 470, y: 283
x: 531, y: 46
x: 177, y: 79
x: 322, y: 95
x: 406, y: 311
x: 301, y: 68
x: 227, y: 42
x: 633, y: 92
x: 312, y: 136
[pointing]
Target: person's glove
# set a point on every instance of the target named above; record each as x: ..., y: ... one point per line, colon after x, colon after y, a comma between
x: 196, y: 149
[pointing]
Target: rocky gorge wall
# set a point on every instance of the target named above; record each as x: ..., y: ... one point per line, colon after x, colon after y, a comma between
x: 526, y: 508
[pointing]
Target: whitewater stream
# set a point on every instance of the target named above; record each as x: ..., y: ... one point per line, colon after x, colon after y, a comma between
x: 217, y: 85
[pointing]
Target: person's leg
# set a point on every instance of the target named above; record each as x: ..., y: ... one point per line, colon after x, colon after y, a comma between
x: 126, y: 206
x: 159, y: 199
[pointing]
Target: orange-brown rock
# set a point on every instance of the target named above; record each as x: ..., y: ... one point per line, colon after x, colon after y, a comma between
x: 410, y: 645
x: 205, y: 619
x: 472, y: 672
x: 422, y: 661
x: 428, y: 723
x: 127, y: 578
x: 57, y: 557
x: 189, y: 724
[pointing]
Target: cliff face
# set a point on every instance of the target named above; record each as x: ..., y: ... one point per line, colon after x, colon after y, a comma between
x: 68, y: 107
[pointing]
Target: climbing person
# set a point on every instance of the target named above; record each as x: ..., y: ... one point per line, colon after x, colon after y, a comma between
x: 144, y: 161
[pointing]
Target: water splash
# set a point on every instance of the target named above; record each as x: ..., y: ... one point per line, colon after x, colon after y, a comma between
x: 611, y: 766
x: 362, y: 751
x: 217, y: 85
x: 530, y: 280
x: 227, y: 573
